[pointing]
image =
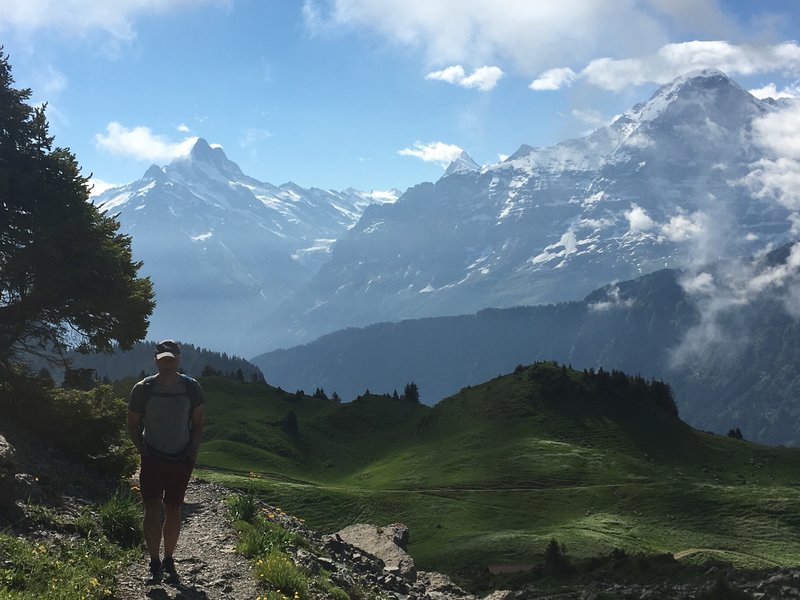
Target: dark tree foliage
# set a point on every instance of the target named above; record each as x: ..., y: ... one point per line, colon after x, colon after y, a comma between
x: 67, y: 278
x: 736, y: 434
x: 410, y: 393
x: 80, y: 379
x: 555, y: 558
x: 320, y: 394
x: 620, y: 392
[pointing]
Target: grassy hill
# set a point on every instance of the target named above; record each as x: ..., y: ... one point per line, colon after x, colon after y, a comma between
x: 489, y: 475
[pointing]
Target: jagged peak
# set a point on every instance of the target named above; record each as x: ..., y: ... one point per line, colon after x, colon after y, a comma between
x: 523, y: 150
x: 462, y: 164
x: 706, y: 90
x: 208, y: 157
x: 153, y: 172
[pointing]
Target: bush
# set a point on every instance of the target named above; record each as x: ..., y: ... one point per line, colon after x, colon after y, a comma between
x: 88, y: 425
x: 280, y: 573
x: 243, y: 507
x: 121, y: 518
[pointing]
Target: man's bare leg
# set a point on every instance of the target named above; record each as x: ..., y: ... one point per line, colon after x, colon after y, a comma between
x: 172, y: 528
x: 152, y: 527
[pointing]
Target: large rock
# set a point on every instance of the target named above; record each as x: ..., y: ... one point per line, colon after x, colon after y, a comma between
x: 387, y: 543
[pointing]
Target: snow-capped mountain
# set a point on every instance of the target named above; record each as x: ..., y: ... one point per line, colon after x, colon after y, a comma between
x: 223, y: 248
x: 659, y: 187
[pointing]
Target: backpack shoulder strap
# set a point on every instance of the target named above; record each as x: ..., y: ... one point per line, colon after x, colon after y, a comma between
x: 147, y: 384
x: 191, y: 388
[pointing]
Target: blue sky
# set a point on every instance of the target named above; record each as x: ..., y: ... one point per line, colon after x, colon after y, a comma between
x: 373, y: 94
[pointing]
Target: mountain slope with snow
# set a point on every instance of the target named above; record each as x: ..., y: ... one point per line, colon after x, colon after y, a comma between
x: 223, y: 248
x: 660, y: 187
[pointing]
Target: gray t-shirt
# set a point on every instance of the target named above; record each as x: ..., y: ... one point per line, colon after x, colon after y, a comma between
x: 167, y: 414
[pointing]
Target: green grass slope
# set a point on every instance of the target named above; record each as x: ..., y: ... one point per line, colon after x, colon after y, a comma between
x: 488, y: 475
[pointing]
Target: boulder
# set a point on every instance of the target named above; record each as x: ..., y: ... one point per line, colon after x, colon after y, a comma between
x: 384, y: 543
x: 440, y: 587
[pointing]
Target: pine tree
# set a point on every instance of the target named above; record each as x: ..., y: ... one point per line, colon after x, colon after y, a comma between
x: 66, y: 276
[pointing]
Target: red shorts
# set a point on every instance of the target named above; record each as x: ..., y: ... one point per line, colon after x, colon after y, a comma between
x: 164, y: 480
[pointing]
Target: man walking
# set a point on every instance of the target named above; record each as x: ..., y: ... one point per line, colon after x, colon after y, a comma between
x: 165, y: 422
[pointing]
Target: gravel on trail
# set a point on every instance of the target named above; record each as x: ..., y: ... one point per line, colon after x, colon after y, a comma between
x: 206, y: 562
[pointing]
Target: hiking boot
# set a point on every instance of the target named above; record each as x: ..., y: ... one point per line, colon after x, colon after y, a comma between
x: 168, y: 564
x: 155, y: 569
x: 169, y: 568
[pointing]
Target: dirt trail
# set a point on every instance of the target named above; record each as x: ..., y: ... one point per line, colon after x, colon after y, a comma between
x: 207, y: 564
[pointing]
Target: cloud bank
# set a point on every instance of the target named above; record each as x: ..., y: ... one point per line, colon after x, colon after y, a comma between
x: 673, y: 60
x: 530, y: 37
x: 483, y: 78
x: 141, y: 144
x: 436, y: 152
x: 82, y: 16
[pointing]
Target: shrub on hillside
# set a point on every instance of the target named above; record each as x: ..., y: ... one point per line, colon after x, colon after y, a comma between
x: 86, y: 425
x: 555, y: 559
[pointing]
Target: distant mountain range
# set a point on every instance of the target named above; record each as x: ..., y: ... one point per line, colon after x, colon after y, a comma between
x: 730, y: 357
x: 223, y: 248
x: 244, y: 266
x: 662, y: 186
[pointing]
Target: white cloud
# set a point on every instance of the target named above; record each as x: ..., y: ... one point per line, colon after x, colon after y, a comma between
x: 437, y: 152
x: 699, y: 283
x: 554, y: 79
x: 736, y: 283
x: 81, y: 16
x: 638, y: 219
x: 673, y: 60
x: 483, y: 78
x: 613, y: 300
x: 183, y: 128
x: 771, y: 91
x: 141, y: 143
x: 682, y: 228
x: 777, y: 176
x: 779, y: 132
x: 529, y: 37
x: 99, y: 186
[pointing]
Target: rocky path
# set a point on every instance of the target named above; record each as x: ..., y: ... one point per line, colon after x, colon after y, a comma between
x: 207, y: 564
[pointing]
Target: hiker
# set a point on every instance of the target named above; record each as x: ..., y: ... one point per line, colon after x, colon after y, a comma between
x: 165, y: 422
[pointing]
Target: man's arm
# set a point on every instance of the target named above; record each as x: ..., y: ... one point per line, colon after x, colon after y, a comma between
x: 197, y: 431
x: 135, y: 428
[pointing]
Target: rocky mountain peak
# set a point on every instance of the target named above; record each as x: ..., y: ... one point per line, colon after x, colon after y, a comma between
x: 462, y: 164
x: 703, y: 92
x: 204, y: 158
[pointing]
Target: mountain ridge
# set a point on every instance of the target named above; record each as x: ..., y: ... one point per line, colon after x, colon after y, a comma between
x: 659, y: 187
x: 218, y: 242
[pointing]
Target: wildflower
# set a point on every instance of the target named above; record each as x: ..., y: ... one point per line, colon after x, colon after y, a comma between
x: 94, y: 582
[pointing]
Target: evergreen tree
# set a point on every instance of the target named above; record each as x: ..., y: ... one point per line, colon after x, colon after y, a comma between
x: 410, y: 393
x: 555, y: 558
x: 66, y: 276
